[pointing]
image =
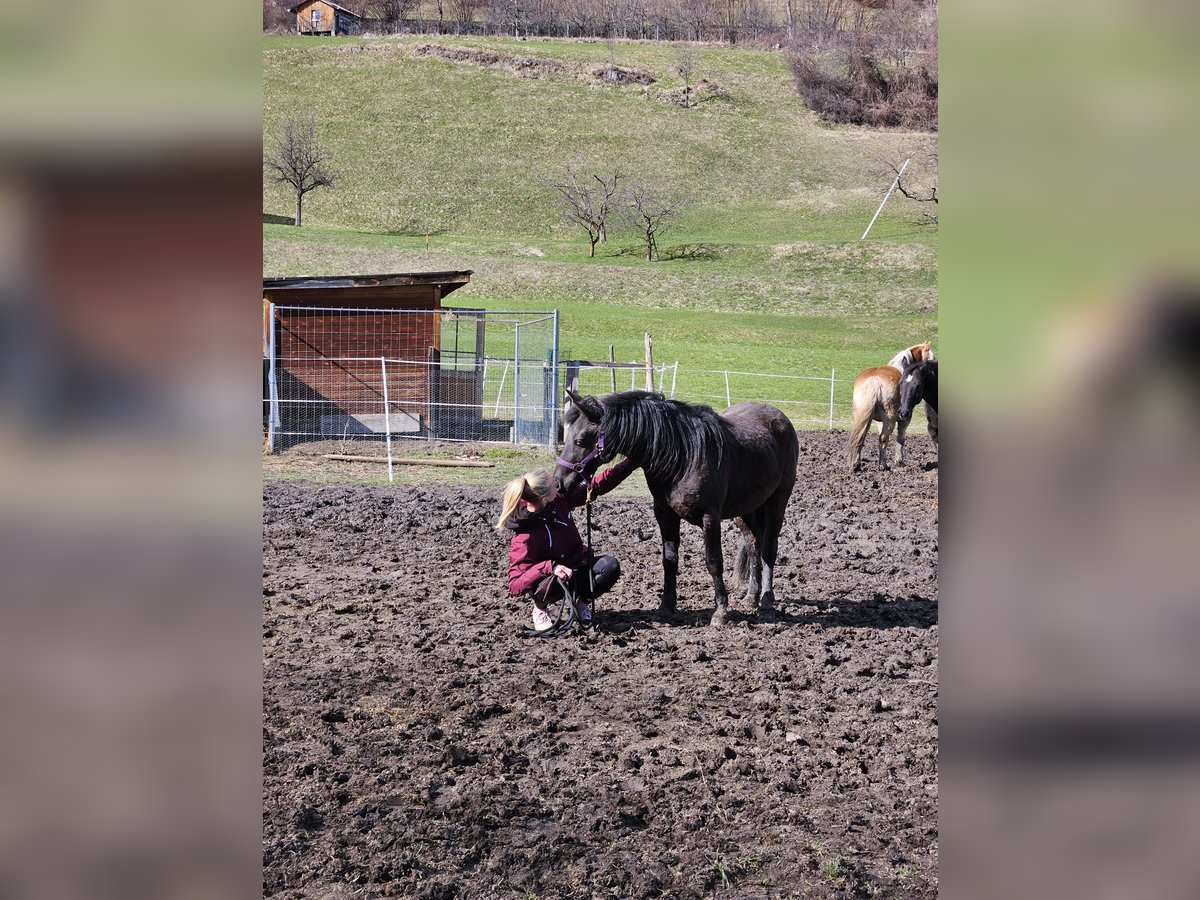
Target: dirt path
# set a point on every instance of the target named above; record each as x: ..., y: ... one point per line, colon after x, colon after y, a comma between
x: 416, y: 746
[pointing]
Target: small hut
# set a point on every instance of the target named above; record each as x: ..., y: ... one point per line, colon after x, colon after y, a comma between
x: 325, y: 17
x: 324, y: 337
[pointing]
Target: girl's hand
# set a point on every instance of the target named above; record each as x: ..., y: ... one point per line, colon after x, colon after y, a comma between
x: 561, y: 571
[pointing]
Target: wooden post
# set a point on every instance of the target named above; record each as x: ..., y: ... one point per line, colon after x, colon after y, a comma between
x: 649, y: 362
x: 612, y: 367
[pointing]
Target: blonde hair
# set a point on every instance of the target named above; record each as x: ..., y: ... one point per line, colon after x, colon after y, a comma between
x: 531, y: 486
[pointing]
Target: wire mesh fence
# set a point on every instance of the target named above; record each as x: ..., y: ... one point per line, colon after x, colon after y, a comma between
x: 810, y: 401
x: 350, y: 375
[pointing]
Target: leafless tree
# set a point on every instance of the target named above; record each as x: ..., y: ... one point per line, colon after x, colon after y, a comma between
x: 902, y: 29
x: 276, y: 16
x: 685, y: 65
x: 464, y: 11
x: 821, y: 21
x: 391, y: 12
x: 695, y: 17
x: 581, y: 15
x: 652, y: 212
x: 589, y: 201
x: 756, y: 16
x: 920, y: 180
x: 298, y: 161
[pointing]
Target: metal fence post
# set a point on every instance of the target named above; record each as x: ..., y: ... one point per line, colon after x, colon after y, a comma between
x: 516, y: 432
x: 274, y: 421
x: 554, y: 394
x: 387, y: 417
x: 832, y: 376
x: 728, y: 400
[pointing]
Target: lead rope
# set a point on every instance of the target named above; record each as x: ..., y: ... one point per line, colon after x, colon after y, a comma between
x: 591, y: 598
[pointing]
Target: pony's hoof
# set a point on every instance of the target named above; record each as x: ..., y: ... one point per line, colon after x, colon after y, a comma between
x: 718, y: 620
x: 767, y: 616
x: 666, y: 611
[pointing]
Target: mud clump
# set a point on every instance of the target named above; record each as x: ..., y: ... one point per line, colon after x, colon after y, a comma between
x: 527, y: 66
x: 620, y: 75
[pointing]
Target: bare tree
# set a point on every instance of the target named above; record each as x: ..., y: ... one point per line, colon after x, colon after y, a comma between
x: 464, y: 11
x: 821, y: 20
x: 299, y: 161
x: 588, y: 201
x: 920, y: 180
x: 695, y: 16
x: 391, y: 12
x: 652, y: 212
x: 685, y: 65
x: 277, y: 17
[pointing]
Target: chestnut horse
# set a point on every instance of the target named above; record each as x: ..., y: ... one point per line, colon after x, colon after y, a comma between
x: 877, y: 399
x: 700, y: 467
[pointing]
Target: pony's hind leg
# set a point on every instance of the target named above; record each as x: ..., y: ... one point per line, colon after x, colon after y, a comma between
x: 885, y: 430
x: 768, y: 544
x: 749, y: 560
x: 668, y: 526
x: 716, y: 566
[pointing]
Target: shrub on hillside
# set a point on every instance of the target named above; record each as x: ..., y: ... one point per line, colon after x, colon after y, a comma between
x: 849, y: 86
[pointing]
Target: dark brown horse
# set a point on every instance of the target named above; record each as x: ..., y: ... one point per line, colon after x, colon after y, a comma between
x: 701, y: 468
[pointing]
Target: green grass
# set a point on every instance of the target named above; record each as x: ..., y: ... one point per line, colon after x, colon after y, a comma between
x: 445, y: 166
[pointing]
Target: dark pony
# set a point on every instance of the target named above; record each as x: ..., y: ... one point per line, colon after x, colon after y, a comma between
x: 920, y: 382
x: 700, y: 467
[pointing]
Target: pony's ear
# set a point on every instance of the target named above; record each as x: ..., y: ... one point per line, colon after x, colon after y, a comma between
x: 589, y: 406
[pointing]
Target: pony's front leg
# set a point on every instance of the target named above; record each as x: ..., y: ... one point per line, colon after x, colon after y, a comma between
x: 901, y: 428
x: 668, y: 526
x: 716, y: 566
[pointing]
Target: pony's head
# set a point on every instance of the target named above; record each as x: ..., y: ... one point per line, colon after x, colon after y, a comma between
x: 583, y: 442
x: 922, y: 352
x: 914, y: 382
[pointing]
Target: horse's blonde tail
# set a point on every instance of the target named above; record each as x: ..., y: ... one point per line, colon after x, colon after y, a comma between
x: 862, y: 409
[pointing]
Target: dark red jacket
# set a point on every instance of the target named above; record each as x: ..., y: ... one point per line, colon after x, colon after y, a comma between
x: 542, y: 540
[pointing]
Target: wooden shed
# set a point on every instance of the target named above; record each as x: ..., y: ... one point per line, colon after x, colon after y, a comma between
x: 325, y: 17
x: 324, y: 344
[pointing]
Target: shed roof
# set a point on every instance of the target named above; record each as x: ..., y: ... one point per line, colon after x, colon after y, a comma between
x: 336, y: 6
x: 448, y: 281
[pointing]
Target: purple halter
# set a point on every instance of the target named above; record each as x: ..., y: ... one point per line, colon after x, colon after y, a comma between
x: 580, y: 467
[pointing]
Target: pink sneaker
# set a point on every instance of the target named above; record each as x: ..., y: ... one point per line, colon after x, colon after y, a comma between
x: 541, y: 619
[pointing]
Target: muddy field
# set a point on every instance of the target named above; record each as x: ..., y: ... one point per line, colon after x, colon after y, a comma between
x: 416, y: 745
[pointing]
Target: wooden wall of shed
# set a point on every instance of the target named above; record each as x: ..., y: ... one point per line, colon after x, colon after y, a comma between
x: 336, y: 357
x: 304, y: 17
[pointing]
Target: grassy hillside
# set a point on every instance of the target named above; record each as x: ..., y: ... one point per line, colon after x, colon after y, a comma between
x: 445, y: 166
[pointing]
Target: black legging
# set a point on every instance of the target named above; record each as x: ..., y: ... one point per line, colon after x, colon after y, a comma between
x: 605, y: 572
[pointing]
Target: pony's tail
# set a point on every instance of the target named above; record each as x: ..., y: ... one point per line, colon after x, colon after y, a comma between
x: 744, y: 564
x: 858, y: 430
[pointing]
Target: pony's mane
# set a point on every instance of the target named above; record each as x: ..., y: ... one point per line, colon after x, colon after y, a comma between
x: 669, y: 436
x: 922, y: 352
x: 922, y: 367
